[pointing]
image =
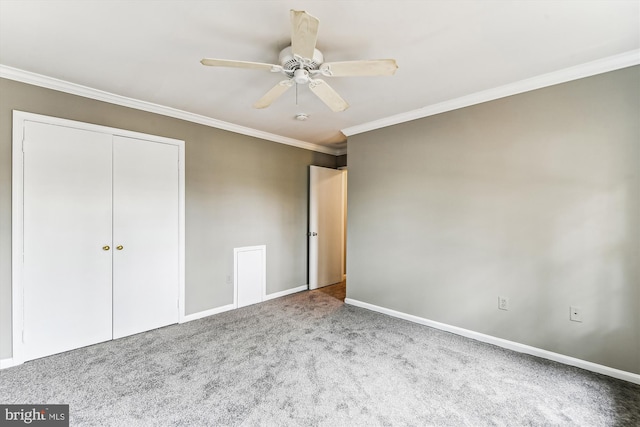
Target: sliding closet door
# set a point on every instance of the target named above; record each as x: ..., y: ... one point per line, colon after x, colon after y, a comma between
x: 146, y: 235
x: 67, y: 239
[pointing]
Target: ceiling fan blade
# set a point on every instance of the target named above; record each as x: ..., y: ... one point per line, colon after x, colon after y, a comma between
x: 273, y: 94
x: 373, y: 67
x: 304, y: 33
x: 212, y: 62
x: 328, y: 95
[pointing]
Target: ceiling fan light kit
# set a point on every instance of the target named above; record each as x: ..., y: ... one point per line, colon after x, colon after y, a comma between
x: 301, y: 62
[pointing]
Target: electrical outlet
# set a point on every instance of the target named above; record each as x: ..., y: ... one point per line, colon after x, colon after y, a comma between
x: 229, y: 281
x: 503, y: 303
x: 575, y: 314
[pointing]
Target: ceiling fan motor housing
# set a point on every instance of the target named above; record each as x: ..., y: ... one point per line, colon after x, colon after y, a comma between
x: 290, y: 63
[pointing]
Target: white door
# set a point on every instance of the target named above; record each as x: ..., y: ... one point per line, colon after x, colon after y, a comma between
x: 145, y: 235
x: 67, y: 239
x: 325, y: 226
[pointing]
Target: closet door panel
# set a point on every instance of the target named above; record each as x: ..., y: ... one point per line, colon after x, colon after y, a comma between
x: 67, y: 222
x: 146, y: 227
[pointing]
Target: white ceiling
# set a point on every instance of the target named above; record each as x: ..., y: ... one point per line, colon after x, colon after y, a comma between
x: 150, y: 51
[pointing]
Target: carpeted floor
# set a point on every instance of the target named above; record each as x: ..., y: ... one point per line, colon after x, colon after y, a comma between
x: 310, y: 360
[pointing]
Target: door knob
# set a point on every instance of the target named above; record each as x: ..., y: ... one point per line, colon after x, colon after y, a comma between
x: 119, y: 247
x: 105, y: 248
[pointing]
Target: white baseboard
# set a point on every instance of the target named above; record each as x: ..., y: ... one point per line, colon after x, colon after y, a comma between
x: 207, y: 313
x: 218, y: 310
x: 511, y: 345
x: 7, y: 363
x: 285, y: 292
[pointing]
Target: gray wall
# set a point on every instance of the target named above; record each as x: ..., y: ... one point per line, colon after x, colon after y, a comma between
x: 535, y: 197
x: 240, y: 191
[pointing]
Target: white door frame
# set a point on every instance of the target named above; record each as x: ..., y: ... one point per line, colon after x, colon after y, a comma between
x: 344, y: 220
x: 317, y: 206
x: 17, y: 225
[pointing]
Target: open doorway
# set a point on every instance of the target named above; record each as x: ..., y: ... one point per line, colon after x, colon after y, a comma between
x: 337, y: 291
x: 327, y: 228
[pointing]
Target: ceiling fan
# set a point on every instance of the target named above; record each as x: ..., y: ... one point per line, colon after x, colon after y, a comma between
x: 302, y: 62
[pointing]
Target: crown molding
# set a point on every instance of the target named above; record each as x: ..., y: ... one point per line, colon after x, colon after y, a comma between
x: 612, y: 63
x: 99, y: 95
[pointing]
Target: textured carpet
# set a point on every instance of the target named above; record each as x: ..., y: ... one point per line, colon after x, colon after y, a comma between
x: 310, y: 360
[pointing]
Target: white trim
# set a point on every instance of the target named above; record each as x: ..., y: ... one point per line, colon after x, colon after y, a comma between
x: 7, y: 363
x: 182, y: 270
x: 511, y: 345
x: 57, y: 121
x: 17, y: 198
x: 285, y: 293
x: 616, y: 62
x: 236, y: 251
x: 207, y: 313
x: 588, y: 69
x: 229, y: 307
x: 17, y: 253
x: 99, y: 95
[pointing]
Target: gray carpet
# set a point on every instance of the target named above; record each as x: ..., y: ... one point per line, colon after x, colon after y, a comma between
x: 310, y: 360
